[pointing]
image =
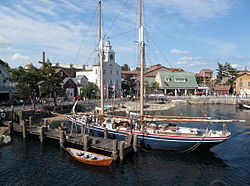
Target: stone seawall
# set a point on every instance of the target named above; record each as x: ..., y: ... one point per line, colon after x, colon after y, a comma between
x: 230, y: 101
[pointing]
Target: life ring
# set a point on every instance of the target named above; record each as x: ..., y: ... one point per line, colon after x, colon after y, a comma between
x: 3, y: 115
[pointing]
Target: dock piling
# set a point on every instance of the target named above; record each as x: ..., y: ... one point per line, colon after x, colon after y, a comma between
x: 135, y: 142
x: 23, y: 123
x: 105, y: 133
x: 30, y: 120
x: 10, y: 127
x: 121, y: 150
x: 114, y: 151
x: 86, y: 142
x: 62, y: 137
x: 41, y: 131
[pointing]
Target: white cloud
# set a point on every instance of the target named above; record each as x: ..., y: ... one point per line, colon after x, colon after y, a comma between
x: 196, y: 10
x: 192, y: 61
x: 177, y: 51
x: 237, y: 66
x: 4, y: 41
x: 17, y: 56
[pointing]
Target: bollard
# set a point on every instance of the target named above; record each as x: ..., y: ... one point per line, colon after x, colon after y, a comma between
x: 86, y: 142
x: 105, y: 133
x: 30, y: 120
x: 114, y: 151
x: 121, y: 150
x: 135, y: 142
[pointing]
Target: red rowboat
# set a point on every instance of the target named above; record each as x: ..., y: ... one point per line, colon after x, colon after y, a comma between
x: 90, y: 158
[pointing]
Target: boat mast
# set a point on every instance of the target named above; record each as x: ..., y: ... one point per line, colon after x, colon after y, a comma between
x: 101, y: 55
x: 142, y: 56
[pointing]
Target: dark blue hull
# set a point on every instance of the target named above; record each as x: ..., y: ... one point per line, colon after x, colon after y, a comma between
x: 177, y: 143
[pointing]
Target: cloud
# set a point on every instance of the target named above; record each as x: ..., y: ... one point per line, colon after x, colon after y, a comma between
x: 17, y: 56
x: 4, y: 41
x: 192, y: 61
x: 178, y: 52
x: 196, y: 10
x: 237, y: 66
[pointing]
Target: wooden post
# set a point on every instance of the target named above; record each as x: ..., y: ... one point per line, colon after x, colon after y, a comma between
x: 21, y: 116
x: 10, y: 127
x: 24, y: 128
x: 121, y: 150
x: 30, y: 120
x: 105, y: 133
x: 83, y: 129
x: 41, y: 131
x: 12, y: 113
x: 62, y: 137
x: 128, y: 139
x: 86, y: 142
x: 135, y: 142
x: 114, y: 151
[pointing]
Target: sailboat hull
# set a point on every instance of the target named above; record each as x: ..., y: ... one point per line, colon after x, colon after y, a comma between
x: 176, y: 143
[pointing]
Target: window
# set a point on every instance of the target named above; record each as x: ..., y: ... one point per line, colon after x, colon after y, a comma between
x: 249, y: 84
x: 180, y: 80
x: 110, y: 71
x: 167, y: 79
x: 241, y: 84
x: 240, y: 79
x: 111, y: 81
x: 95, y: 71
x: 0, y: 71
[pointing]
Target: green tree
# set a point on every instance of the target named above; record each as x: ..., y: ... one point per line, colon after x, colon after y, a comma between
x: 50, y: 84
x: 151, y: 87
x: 125, y: 67
x: 89, y: 91
x: 5, y: 65
x: 226, y: 71
x: 27, y: 82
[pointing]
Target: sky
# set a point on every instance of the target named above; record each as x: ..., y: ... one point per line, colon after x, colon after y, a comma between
x: 188, y: 34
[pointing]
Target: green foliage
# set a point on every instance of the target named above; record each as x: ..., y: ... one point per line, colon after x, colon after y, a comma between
x: 129, y: 85
x: 89, y: 91
x: 151, y: 87
x: 125, y: 67
x: 199, y: 79
x: 5, y: 65
x: 226, y: 71
x: 27, y: 82
x: 50, y: 83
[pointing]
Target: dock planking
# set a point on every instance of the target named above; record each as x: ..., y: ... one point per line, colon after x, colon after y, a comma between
x: 94, y: 142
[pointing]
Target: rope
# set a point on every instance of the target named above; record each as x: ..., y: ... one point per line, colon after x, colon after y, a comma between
x: 115, y: 19
x: 85, y: 36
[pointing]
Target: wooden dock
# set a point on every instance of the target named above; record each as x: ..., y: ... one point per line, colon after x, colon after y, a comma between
x: 118, y: 149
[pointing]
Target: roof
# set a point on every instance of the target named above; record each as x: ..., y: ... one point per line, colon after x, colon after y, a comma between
x: 67, y: 79
x: 206, y: 70
x: 222, y: 87
x: 79, y: 77
x: 243, y: 74
x: 172, y: 76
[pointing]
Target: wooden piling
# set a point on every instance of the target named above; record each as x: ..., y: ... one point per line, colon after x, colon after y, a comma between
x: 86, y: 142
x: 114, y: 151
x: 135, y: 142
x: 23, y: 123
x: 21, y: 116
x: 62, y: 137
x: 105, y: 133
x: 121, y: 150
x: 30, y: 120
x: 128, y: 139
x: 41, y: 131
x: 10, y: 127
x: 83, y: 129
x: 12, y: 114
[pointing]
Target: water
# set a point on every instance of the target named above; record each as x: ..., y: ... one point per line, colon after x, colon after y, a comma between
x: 27, y: 162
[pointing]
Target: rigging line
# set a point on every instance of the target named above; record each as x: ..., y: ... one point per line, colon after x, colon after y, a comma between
x: 92, y: 53
x: 123, y: 33
x: 159, y: 49
x: 85, y: 36
x: 115, y: 19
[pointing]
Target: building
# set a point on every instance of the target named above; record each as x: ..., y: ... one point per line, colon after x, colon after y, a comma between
x: 80, y: 81
x: 177, y: 83
x: 6, y: 86
x: 70, y: 88
x: 222, y: 89
x: 243, y: 84
x: 112, y: 73
x: 205, y: 76
x: 69, y: 69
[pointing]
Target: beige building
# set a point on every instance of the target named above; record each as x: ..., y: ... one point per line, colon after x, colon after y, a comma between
x: 243, y: 84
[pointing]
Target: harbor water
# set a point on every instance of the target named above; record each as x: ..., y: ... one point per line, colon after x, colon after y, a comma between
x: 27, y: 162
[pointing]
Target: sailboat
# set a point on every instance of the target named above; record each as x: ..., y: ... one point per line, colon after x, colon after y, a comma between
x: 146, y: 128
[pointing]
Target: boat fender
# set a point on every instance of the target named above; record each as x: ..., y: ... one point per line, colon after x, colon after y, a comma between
x: 3, y: 115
